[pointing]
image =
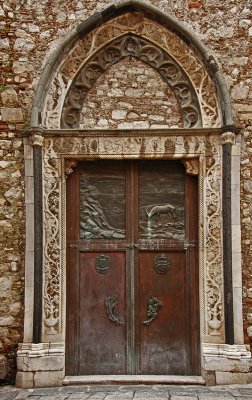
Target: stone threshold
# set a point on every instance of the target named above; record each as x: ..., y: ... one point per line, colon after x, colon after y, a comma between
x: 133, y: 379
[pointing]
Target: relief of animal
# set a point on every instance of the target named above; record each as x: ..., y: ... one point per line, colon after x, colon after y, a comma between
x: 158, y: 210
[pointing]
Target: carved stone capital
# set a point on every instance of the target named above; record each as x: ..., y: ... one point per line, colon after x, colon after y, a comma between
x: 228, y: 137
x: 192, y: 166
x: 37, y: 139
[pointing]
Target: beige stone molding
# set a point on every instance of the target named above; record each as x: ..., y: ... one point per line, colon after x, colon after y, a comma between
x: 228, y: 137
x: 40, y: 349
x: 234, y: 351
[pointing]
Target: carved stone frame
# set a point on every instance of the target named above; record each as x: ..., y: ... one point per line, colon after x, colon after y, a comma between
x: 166, y: 145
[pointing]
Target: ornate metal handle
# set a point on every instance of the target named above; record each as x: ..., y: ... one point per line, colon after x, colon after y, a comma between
x: 153, y: 306
x: 110, y: 303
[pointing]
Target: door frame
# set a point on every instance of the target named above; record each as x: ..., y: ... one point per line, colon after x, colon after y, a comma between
x: 201, y: 152
x: 187, y: 248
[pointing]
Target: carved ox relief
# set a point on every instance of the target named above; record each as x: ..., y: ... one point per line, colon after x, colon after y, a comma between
x: 205, y: 149
x: 159, y: 38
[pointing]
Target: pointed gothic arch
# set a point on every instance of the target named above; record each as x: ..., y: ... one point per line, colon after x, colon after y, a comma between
x: 148, y: 22
x: 131, y: 28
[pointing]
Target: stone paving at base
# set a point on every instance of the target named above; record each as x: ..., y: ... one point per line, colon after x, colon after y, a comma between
x: 129, y: 392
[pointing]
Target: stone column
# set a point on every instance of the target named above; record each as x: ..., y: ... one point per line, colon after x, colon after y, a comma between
x: 228, y: 139
x: 37, y: 141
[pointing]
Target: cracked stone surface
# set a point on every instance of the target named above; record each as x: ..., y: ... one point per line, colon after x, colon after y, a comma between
x: 130, y: 392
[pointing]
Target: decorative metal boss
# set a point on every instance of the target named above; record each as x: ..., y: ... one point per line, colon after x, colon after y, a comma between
x: 162, y: 263
x: 102, y: 264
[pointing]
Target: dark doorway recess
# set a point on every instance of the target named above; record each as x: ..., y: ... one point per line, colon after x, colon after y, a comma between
x: 132, y: 269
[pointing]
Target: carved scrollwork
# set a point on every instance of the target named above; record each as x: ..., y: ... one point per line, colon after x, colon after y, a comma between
x: 213, y: 242
x: 125, y: 46
x: 51, y: 242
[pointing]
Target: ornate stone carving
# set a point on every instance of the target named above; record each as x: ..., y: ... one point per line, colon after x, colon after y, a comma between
x: 37, y: 140
x: 69, y: 166
x: 51, y: 241
x: 145, y: 51
x: 192, y: 166
x: 213, y: 240
x: 158, y: 36
x: 228, y: 137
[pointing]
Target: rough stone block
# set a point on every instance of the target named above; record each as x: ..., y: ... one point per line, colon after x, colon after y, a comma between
x: 9, y: 97
x: 3, y: 366
x: 209, y: 377
x: 48, y: 379
x: 45, y: 363
x: 24, y: 380
x: 226, y: 364
x: 230, y: 378
x: 12, y: 114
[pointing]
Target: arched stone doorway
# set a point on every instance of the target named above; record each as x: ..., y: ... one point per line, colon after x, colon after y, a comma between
x: 203, y: 143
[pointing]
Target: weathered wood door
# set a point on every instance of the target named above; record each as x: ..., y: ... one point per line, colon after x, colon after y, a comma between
x: 132, y: 269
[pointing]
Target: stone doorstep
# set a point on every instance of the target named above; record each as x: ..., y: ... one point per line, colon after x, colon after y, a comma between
x: 134, y: 379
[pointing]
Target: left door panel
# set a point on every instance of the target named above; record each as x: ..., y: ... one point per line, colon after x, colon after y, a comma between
x: 102, y: 346
x: 96, y: 340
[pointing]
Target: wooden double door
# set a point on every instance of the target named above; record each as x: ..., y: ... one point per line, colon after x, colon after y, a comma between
x: 132, y: 269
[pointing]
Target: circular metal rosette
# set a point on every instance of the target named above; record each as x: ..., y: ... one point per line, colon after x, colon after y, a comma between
x: 162, y: 263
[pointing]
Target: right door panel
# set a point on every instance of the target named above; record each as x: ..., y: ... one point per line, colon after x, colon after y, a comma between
x: 163, y: 314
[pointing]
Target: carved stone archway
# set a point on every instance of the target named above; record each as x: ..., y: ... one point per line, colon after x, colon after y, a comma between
x: 139, y: 30
x: 131, y: 46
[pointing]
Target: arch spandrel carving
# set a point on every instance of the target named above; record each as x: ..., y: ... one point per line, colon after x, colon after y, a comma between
x: 159, y: 37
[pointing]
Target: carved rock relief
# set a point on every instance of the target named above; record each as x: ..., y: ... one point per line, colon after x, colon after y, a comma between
x: 136, y: 147
x: 158, y: 35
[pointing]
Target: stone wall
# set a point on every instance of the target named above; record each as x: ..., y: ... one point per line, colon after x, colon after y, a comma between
x: 30, y: 31
x: 130, y: 95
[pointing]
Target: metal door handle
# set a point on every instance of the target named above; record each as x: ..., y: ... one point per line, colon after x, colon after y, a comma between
x: 110, y: 304
x: 154, y: 305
